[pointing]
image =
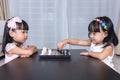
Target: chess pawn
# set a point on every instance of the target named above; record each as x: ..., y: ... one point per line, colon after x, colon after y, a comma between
x: 44, y: 51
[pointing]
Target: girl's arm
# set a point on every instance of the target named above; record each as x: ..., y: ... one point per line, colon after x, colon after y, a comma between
x: 35, y: 50
x: 26, y: 51
x: 62, y: 43
x: 108, y: 51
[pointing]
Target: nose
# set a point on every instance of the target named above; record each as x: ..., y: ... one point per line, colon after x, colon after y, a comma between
x: 91, y: 35
x: 26, y: 35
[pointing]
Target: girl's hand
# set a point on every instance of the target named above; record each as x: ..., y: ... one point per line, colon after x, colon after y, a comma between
x: 32, y: 48
x: 84, y: 53
x: 61, y: 44
x: 22, y: 56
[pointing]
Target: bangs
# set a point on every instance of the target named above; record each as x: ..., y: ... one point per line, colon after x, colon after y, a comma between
x: 94, y: 27
x: 22, y: 26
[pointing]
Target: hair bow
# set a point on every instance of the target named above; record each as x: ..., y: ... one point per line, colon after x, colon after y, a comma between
x: 12, y: 22
x: 102, y: 23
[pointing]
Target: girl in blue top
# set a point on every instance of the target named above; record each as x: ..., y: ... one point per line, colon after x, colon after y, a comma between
x: 102, y: 40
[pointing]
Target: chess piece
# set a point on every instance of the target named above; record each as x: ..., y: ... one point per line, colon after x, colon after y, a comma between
x: 44, y: 51
x: 49, y: 51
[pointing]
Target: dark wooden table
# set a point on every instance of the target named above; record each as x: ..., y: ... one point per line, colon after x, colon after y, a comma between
x: 77, y: 68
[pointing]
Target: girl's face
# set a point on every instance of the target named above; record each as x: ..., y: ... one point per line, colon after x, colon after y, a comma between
x: 98, y: 37
x: 19, y: 36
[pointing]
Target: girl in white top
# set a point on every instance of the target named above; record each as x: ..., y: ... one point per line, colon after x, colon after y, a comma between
x: 15, y: 34
x: 102, y: 39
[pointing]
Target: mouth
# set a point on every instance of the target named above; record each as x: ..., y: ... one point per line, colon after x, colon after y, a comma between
x: 25, y: 38
x: 93, y: 40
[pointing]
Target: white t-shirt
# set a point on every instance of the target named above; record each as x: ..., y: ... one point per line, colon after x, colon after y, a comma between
x: 8, y: 47
x: 107, y: 60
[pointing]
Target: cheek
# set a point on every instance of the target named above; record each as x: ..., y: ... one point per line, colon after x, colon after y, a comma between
x: 18, y: 37
x: 101, y: 37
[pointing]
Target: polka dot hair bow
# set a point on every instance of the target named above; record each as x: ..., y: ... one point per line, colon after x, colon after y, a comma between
x: 12, y: 22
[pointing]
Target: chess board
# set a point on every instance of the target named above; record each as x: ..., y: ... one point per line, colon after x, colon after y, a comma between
x: 63, y: 54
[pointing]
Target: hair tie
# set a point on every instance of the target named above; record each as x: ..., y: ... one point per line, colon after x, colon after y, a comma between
x: 102, y: 23
x: 12, y: 22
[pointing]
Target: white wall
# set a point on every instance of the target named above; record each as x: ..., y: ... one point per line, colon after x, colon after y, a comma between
x: 49, y: 22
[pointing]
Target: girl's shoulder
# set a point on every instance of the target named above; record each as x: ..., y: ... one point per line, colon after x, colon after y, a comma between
x: 111, y: 46
x: 10, y: 46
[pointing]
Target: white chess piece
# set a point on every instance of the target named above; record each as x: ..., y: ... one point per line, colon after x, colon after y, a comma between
x: 44, y: 50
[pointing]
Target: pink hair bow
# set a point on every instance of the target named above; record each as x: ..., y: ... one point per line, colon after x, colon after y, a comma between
x: 12, y: 22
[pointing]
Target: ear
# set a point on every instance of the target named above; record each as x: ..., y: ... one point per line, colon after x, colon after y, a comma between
x: 106, y: 33
x: 11, y: 33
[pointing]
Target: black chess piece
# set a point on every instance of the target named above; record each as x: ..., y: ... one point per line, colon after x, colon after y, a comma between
x: 63, y: 52
x: 66, y: 51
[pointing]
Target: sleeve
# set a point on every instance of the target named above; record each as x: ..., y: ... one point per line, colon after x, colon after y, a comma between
x: 9, y: 46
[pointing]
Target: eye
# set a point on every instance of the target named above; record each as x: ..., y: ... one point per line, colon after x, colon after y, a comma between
x: 94, y: 33
x: 26, y: 31
x: 23, y: 31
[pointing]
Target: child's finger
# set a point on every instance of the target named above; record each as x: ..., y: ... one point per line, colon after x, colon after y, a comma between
x: 84, y: 53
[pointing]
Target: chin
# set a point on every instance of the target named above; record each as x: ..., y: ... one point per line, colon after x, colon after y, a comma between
x: 93, y: 42
x: 22, y: 42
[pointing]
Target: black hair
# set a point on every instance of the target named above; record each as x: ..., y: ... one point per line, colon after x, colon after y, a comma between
x: 7, y: 38
x: 95, y: 25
